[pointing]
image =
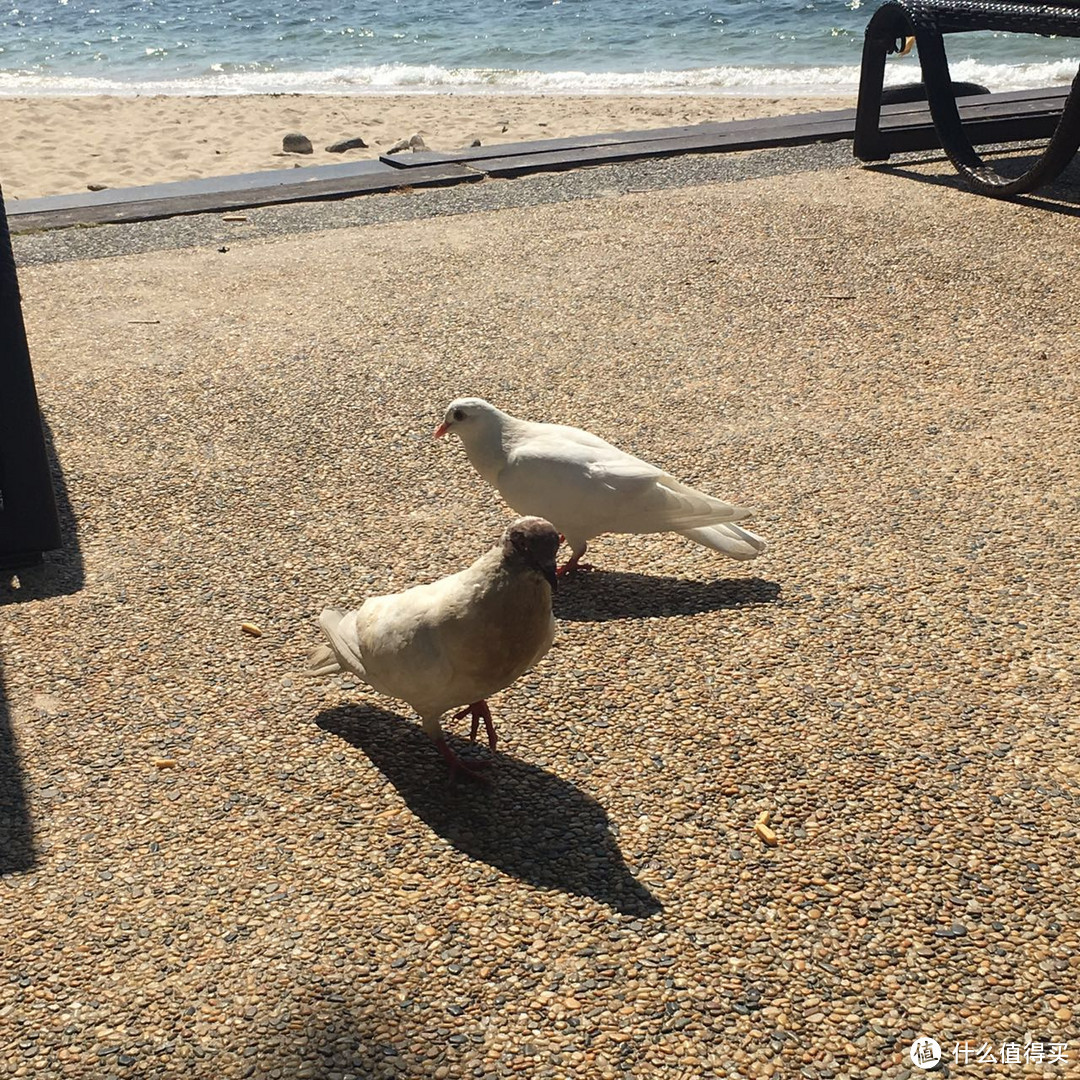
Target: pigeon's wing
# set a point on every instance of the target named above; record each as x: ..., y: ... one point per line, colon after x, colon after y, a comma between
x: 588, y: 488
x: 560, y: 435
x: 398, y: 646
x: 456, y: 640
x: 566, y: 459
x: 659, y: 503
x: 555, y: 482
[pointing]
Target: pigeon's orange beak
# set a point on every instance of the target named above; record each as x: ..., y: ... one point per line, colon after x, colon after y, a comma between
x: 441, y: 430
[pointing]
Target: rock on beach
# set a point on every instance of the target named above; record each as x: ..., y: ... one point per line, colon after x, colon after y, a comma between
x: 297, y: 143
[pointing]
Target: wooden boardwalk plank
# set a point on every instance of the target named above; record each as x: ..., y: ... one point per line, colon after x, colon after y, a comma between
x: 1007, y: 117
x: 839, y: 119
x: 242, y: 191
x: 983, y: 107
x: 506, y: 159
x: 987, y: 119
x: 982, y: 132
x: 910, y: 129
x: 1047, y: 94
x: 600, y: 155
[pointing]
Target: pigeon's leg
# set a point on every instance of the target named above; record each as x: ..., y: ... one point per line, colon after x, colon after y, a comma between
x: 479, y: 710
x: 471, y: 769
x: 575, y: 564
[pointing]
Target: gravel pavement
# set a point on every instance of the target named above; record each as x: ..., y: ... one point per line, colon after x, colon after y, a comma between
x: 213, y: 868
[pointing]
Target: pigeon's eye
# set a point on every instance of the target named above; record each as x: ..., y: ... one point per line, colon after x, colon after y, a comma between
x: 459, y: 415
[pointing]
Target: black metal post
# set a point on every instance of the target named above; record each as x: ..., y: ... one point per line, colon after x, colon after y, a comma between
x: 29, y: 524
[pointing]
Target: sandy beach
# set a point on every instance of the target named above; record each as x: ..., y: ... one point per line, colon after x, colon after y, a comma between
x: 60, y: 145
x: 215, y: 869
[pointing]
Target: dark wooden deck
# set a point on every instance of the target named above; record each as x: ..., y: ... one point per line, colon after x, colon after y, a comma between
x: 217, y: 193
x: 992, y: 118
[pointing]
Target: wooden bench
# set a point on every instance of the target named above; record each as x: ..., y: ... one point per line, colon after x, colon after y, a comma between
x: 928, y: 21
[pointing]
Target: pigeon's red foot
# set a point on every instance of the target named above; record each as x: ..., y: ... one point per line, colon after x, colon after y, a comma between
x: 574, y: 565
x: 472, y: 769
x: 479, y: 710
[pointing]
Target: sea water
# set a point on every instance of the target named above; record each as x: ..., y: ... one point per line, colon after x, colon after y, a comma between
x: 520, y: 46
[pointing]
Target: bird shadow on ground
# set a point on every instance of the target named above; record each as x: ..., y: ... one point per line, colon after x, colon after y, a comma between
x: 525, y: 821
x: 602, y: 594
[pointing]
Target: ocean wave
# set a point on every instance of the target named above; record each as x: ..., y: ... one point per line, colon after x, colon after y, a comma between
x: 406, y: 78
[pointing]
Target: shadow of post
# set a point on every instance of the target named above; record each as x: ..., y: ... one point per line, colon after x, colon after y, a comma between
x: 16, y: 829
x: 526, y: 822
x: 35, y: 517
x: 60, y: 573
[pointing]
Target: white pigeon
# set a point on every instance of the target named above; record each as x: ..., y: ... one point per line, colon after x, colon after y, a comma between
x: 585, y: 486
x: 455, y: 641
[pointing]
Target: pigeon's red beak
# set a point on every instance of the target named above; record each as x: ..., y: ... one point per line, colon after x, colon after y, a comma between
x: 441, y: 430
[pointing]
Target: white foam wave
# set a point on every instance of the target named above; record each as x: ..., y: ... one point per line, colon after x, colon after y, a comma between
x: 403, y: 78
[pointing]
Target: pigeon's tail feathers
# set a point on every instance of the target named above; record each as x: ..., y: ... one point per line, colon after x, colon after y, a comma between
x: 322, y: 661
x: 338, y: 655
x: 732, y: 540
x: 682, y: 507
